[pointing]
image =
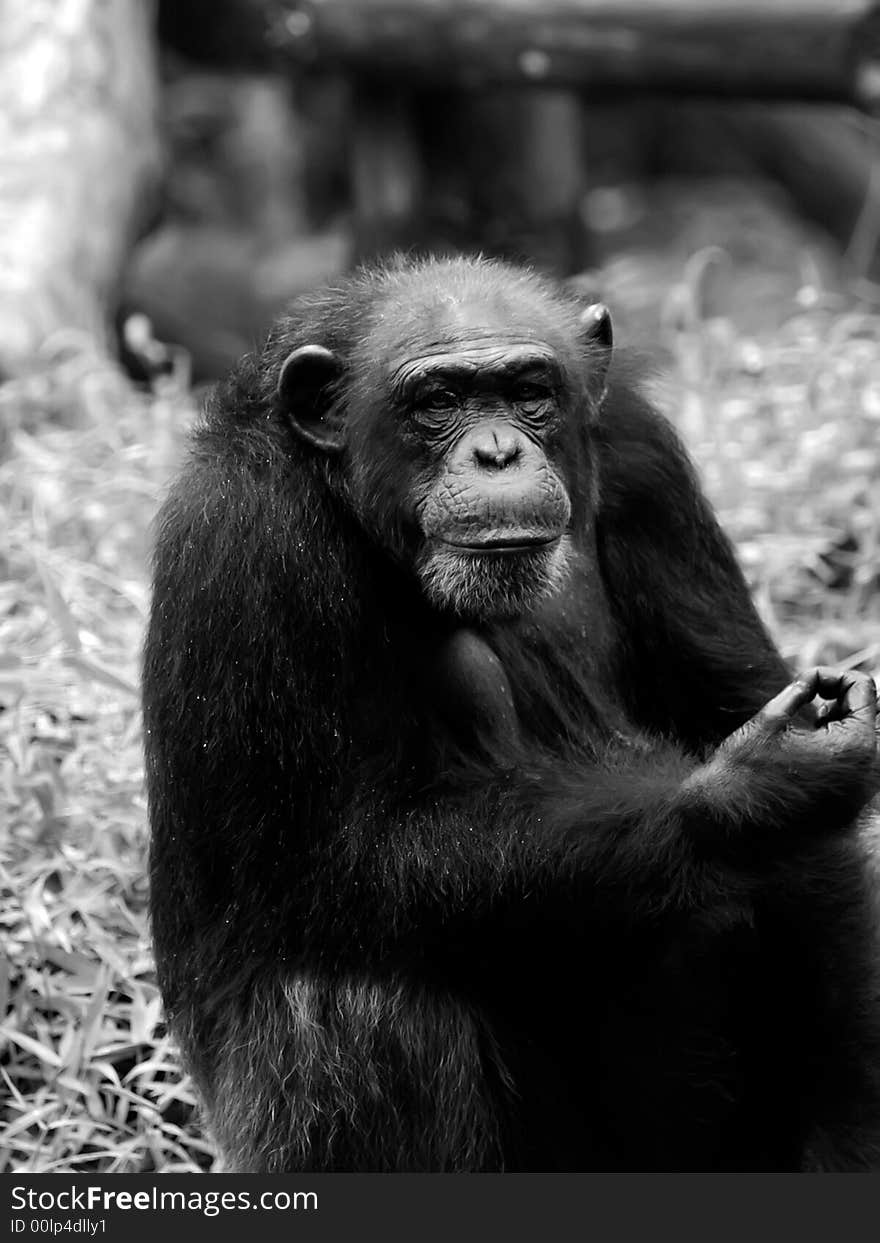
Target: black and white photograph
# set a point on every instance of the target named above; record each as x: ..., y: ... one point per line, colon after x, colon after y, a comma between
x: 439, y: 591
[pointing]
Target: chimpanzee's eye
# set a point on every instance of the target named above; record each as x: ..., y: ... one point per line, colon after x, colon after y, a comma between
x: 437, y: 398
x: 433, y: 401
x: 531, y: 395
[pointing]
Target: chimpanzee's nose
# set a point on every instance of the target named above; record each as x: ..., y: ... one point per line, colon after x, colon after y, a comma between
x: 495, y: 447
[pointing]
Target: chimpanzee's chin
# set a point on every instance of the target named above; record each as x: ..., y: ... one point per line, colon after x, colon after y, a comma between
x: 493, y: 584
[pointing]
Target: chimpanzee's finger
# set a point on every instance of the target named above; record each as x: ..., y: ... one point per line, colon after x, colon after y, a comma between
x: 860, y: 696
x: 777, y: 713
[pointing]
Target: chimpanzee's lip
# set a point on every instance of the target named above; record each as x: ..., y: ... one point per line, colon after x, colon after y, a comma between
x: 520, y: 542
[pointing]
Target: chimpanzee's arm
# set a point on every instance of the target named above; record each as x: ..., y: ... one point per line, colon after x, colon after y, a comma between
x: 695, y: 660
x: 645, y: 833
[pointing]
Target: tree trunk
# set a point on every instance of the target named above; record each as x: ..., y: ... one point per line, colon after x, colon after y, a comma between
x: 79, y: 157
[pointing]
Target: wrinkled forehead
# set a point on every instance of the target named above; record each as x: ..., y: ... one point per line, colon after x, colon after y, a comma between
x: 469, y: 362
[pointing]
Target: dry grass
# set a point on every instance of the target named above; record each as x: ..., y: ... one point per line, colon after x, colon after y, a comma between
x: 91, y: 1078
x: 787, y: 436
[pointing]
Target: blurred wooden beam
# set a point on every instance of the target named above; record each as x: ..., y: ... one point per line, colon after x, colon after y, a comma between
x: 794, y: 49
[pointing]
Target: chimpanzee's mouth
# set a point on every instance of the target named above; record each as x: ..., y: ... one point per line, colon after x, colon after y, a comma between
x: 503, y: 544
x: 500, y: 572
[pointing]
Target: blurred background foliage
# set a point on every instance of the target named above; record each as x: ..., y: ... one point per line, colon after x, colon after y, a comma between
x: 751, y: 295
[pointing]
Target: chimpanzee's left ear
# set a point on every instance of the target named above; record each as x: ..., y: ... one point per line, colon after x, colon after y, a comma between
x: 305, y: 390
x: 597, y: 336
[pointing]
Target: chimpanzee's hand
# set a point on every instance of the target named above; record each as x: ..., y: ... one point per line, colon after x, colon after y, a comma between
x: 773, y: 772
x: 845, y: 722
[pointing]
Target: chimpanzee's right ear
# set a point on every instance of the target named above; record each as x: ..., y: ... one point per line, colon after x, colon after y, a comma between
x: 596, y: 325
x: 598, y: 338
x: 305, y: 390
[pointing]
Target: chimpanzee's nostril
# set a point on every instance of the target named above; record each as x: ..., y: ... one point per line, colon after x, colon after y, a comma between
x: 496, y: 449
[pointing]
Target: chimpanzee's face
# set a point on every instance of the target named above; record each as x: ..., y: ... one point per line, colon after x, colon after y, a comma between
x: 458, y: 449
x: 492, y: 511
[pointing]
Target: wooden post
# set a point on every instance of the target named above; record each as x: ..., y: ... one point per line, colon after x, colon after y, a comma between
x: 504, y: 173
x: 545, y: 134
x: 386, y: 171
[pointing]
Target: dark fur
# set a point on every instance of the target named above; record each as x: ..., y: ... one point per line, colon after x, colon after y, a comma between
x: 386, y: 944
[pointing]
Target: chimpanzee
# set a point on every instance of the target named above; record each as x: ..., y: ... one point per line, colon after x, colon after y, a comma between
x: 489, y: 830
